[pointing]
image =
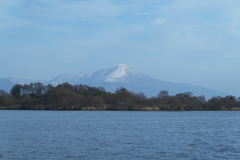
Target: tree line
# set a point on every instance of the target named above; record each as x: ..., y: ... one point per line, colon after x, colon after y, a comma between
x: 35, y: 96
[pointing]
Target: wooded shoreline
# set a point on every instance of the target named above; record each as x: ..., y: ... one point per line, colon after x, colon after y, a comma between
x: 36, y: 96
x: 96, y: 109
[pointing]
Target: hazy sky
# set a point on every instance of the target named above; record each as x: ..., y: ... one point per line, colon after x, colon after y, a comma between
x: 187, y: 41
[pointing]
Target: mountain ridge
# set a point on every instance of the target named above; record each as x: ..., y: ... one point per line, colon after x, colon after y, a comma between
x: 119, y: 76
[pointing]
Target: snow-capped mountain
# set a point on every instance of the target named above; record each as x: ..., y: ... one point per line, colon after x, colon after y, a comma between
x: 64, y: 78
x: 23, y: 81
x: 120, y: 76
x: 121, y: 73
x: 19, y: 80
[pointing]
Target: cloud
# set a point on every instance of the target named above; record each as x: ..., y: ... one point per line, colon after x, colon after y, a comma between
x: 159, y: 21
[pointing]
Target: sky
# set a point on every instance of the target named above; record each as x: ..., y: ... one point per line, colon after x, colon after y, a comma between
x: 184, y: 41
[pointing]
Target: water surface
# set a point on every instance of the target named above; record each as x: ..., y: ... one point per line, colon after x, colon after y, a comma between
x: 119, y: 135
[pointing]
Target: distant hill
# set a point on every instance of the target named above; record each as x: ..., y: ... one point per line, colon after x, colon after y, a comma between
x: 6, y: 84
x: 115, y: 77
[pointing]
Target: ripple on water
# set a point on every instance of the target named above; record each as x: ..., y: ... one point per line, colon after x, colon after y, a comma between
x: 119, y: 135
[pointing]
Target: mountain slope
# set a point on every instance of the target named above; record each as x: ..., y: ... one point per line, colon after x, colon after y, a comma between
x: 121, y: 75
x: 6, y: 84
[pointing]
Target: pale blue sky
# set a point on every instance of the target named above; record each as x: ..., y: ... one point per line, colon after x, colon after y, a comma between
x: 187, y: 41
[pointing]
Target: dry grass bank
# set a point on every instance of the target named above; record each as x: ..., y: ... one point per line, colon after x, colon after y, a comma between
x: 153, y: 108
x: 235, y: 109
x: 94, y: 108
x: 12, y: 107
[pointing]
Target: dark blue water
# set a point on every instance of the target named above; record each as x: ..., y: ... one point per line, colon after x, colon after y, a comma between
x: 119, y: 135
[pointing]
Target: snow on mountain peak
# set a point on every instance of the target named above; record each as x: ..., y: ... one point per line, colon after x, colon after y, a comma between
x: 81, y: 74
x: 123, y: 66
x: 19, y: 80
x: 121, y: 71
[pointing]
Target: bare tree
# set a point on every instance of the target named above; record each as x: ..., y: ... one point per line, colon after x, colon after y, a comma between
x: 16, y: 91
x: 163, y: 94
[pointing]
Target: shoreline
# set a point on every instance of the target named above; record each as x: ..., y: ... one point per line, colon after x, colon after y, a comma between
x: 18, y: 107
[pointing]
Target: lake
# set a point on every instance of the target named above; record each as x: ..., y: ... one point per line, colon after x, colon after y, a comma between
x: 119, y: 135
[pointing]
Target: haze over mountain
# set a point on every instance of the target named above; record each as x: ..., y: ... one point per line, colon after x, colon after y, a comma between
x: 119, y: 76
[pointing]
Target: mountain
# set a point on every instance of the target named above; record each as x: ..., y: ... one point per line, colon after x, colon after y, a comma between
x: 121, y: 76
x: 6, y: 84
x: 19, y: 80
